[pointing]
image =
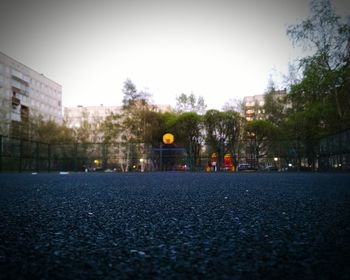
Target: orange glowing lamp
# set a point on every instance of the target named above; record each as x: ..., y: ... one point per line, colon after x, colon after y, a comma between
x: 168, y: 138
x: 227, y: 159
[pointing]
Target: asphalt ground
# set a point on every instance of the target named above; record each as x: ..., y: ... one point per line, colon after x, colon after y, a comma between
x: 175, y: 226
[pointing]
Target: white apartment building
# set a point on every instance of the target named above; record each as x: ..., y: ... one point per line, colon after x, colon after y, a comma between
x: 254, y: 105
x: 93, y: 114
x: 25, y: 93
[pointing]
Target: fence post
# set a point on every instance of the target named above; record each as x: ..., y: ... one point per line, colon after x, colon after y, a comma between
x: 48, y: 157
x: 37, y: 156
x: 104, y: 155
x: 161, y: 156
x: 1, y: 153
x: 191, y: 158
x: 20, y: 155
x: 75, y: 157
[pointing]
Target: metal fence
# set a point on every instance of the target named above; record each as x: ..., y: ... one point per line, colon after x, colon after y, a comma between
x: 335, y: 152
x: 331, y: 153
x: 18, y: 155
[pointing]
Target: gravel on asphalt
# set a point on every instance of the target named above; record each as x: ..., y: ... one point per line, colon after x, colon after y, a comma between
x: 175, y: 226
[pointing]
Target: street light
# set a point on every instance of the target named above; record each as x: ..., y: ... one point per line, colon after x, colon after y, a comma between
x: 142, y: 166
x: 275, y: 160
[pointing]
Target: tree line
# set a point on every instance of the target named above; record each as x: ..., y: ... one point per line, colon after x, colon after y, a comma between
x: 318, y: 102
x: 317, y: 105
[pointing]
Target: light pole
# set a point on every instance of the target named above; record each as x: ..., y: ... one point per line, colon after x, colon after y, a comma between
x: 142, y: 166
x: 275, y: 160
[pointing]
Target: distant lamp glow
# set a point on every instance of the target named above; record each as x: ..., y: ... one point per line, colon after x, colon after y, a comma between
x: 290, y: 165
x: 227, y: 157
x: 168, y: 138
x: 142, y: 165
x: 275, y: 158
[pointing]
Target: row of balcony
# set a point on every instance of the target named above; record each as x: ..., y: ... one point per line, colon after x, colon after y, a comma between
x: 18, y: 79
x: 19, y: 113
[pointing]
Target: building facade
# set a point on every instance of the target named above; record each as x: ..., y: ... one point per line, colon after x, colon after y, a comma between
x: 74, y: 115
x: 93, y: 114
x: 254, y: 109
x: 25, y: 94
x: 254, y: 105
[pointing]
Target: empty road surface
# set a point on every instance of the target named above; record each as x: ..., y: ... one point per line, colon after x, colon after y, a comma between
x: 175, y: 226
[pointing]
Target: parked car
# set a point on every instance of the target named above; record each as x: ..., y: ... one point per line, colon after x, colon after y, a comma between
x: 181, y: 167
x: 246, y: 167
x: 270, y: 168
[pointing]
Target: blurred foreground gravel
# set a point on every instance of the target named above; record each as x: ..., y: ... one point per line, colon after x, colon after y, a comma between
x: 175, y: 226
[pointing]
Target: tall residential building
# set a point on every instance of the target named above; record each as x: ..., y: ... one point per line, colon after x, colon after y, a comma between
x: 93, y: 114
x: 254, y: 105
x: 24, y: 94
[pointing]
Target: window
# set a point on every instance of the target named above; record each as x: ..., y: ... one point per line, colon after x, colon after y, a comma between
x: 26, y: 78
x: 16, y: 73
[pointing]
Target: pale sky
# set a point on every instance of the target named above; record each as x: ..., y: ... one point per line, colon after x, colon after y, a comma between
x: 219, y: 49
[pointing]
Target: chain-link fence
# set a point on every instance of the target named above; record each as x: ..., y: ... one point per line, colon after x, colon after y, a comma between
x: 335, y: 152
x: 24, y: 155
x: 331, y: 153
